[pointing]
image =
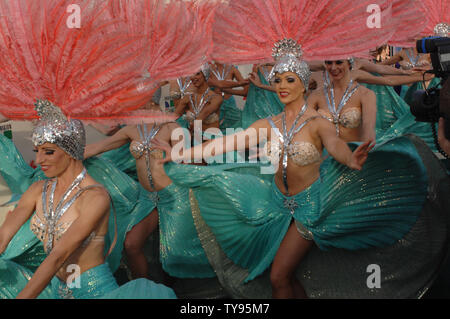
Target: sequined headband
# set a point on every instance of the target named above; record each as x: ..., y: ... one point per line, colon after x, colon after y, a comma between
x: 53, y: 127
x: 288, y: 58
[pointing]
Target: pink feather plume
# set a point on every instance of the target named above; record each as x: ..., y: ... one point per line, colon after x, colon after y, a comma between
x: 245, y: 31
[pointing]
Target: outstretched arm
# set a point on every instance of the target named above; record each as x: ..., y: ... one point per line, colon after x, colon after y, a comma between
x: 339, y: 149
x: 240, y: 141
x: 109, y: 143
x: 379, y: 68
x: 396, y: 58
x: 226, y: 83
x: 240, y: 92
x: 390, y: 80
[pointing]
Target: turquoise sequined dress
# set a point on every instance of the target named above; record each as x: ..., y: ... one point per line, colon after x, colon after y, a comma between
x: 230, y: 115
x: 181, y: 253
x: 343, y: 210
x: 260, y: 104
x: 25, y: 252
x: 122, y: 159
x: 394, y: 117
x: 390, y: 107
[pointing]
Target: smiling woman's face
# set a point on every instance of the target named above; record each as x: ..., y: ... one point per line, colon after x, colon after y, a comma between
x: 337, y: 69
x: 198, y: 79
x: 52, y: 159
x: 289, y: 87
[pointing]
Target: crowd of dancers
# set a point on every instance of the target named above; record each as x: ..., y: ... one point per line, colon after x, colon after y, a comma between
x: 323, y: 174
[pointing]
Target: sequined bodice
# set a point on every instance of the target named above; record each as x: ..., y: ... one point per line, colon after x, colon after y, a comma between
x: 301, y: 153
x: 39, y: 228
x: 197, y: 107
x: 144, y: 146
x: 50, y: 229
x: 210, y: 119
x: 137, y: 149
x: 351, y: 118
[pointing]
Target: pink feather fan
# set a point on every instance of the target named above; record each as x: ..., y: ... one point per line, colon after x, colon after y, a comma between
x: 103, y: 71
x: 176, y: 35
x: 205, y: 10
x: 245, y: 31
x: 410, y: 20
x: 437, y: 11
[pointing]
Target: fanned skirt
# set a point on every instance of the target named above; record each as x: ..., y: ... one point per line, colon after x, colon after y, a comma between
x: 373, y: 215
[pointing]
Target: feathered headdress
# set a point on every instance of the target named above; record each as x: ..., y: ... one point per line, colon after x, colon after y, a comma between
x: 105, y: 69
x: 410, y: 21
x: 248, y: 31
x: 176, y: 35
x: 245, y: 31
x: 438, y: 14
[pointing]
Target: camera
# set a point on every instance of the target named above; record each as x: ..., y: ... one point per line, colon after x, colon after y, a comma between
x: 431, y: 104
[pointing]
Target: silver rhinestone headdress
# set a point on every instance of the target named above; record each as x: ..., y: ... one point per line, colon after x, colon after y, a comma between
x: 351, y: 61
x: 288, y: 58
x: 442, y: 30
x: 206, y: 70
x: 54, y: 127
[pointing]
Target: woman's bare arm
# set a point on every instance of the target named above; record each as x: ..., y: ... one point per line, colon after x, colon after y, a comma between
x: 390, y: 80
x: 15, y: 219
x: 109, y: 143
x: 339, y: 149
x: 240, y: 141
x: 92, y: 211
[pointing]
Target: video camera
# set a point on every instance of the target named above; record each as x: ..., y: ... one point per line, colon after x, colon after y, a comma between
x: 431, y: 104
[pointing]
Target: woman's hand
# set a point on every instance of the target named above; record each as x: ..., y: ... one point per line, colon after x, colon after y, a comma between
x: 254, y: 79
x: 359, y: 155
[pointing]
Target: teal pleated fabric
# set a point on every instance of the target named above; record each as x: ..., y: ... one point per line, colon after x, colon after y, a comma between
x: 408, y: 97
x: 182, y: 122
x: 97, y: 282
x: 407, y: 124
x: 394, y: 117
x: 230, y: 115
x: 260, y: 104
x: 390, y: 107
x: 345, y: 209
x: 181, y: 253
x: 123, y: 160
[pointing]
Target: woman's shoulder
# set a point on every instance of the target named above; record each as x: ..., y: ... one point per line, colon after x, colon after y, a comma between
x: 94, y: 197
x: 92, y: 188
